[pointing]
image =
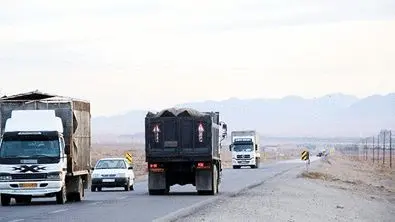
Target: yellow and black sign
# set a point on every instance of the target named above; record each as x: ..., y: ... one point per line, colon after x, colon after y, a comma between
x: 305, y: 155
x: 129, y: 157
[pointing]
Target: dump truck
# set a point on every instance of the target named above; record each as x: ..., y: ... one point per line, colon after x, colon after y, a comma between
x: 183, y: 146
x: 245, y: 149
x: 45, y: 147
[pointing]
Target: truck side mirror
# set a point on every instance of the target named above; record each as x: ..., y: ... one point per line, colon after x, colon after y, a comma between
x: 130, y: 167
x: 224, y: 130
x: 230, y: 147
x: 256, y: 147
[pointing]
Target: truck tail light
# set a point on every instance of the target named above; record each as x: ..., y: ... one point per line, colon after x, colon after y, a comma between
x: 203, y: 165
x: 154, y: 167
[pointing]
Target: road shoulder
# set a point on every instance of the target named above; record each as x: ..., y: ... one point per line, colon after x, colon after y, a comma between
x: 328, y: 192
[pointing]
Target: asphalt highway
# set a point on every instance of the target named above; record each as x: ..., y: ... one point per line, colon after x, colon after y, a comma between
x: 118, y: 205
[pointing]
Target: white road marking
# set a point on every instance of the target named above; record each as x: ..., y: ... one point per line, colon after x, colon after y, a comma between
x: 57, y: 211
x: 121, y: 198
x: 95, y: 203
x: 16, y: 220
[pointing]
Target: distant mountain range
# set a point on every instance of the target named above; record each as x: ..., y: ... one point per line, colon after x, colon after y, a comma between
x: 329, y: 116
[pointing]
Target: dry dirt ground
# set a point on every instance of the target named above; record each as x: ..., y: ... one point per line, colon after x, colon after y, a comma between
x: 140, y: 166
x: 343, y: 189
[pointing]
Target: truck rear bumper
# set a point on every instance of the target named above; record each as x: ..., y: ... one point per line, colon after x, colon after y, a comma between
x: 42, y: 188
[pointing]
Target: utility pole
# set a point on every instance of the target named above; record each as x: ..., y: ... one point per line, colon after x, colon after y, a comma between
x: 384, y: 146
x: 378, y: 148
x: 366, y: 148
x: 373, y: 148
x: 390, y: 149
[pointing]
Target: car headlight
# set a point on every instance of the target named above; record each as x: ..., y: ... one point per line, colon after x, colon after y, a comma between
x: 121, y: 174
x: 54, y: 176
x: 5, y: 177
x: 95, y: 175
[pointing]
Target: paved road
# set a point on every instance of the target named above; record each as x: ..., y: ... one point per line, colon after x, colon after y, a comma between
x: 118, y: 205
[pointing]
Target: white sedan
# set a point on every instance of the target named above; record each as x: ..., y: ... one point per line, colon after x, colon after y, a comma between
x: 112, y: 172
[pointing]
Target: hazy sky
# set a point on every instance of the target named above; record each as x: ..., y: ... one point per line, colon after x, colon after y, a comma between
x: 124, y: 54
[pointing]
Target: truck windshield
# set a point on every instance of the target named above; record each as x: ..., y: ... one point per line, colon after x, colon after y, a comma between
x: 27, y: 148
x: 243, y: 147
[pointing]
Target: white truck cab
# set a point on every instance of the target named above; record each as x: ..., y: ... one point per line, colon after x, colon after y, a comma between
x: 32, y: 156
x: 245, y: 149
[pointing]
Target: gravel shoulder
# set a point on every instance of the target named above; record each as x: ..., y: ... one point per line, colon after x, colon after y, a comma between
x: 342, y: 189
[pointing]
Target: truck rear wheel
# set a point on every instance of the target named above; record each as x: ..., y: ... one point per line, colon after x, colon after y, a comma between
x: 158, y: 192
x: 215, y: 181
x: 80, y: 194
x: 214, y: 187
x: 5, y: 200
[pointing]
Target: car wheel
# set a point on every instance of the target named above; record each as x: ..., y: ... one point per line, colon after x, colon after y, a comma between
x: 127, y: 186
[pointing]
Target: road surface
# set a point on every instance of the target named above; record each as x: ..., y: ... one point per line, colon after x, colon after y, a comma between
x: 118, y: 205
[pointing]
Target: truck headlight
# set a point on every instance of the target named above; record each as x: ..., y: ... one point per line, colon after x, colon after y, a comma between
x: 54, y: 176
x: 5, y: 177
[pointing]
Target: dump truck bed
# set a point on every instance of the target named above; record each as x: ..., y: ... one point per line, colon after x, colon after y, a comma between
x: 176, y: 135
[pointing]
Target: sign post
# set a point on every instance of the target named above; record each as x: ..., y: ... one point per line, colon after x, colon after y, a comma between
x: 306, y: 157
x: 129, y: 157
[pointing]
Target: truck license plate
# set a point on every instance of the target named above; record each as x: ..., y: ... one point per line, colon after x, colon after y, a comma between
x: 108, y: 180
x: 28, y: 185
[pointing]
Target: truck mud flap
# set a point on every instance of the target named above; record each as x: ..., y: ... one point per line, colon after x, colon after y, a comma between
x: 156, y: 181
x: 204, y: 180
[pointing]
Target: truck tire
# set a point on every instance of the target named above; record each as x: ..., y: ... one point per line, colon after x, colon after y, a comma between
x: 257, y: 162
x: 93, y: 189
x: 236, y: 167
x: 5, y: 200
x: 61, y: 196
x: 214, y: 191
x: 80, y: 194
x: 156, y: 192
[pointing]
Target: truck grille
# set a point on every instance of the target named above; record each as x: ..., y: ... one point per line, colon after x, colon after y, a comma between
x: 243, y: 156
x: 29, y: 176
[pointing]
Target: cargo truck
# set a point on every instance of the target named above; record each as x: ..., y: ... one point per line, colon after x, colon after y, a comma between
x: 183, y: 146
x: 245, y: 149
x: 45, y: 147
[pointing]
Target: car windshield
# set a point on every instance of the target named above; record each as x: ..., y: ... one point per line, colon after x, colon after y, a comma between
x: 29, y: 148
x: 243, y: 148
x: 110, y: 164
